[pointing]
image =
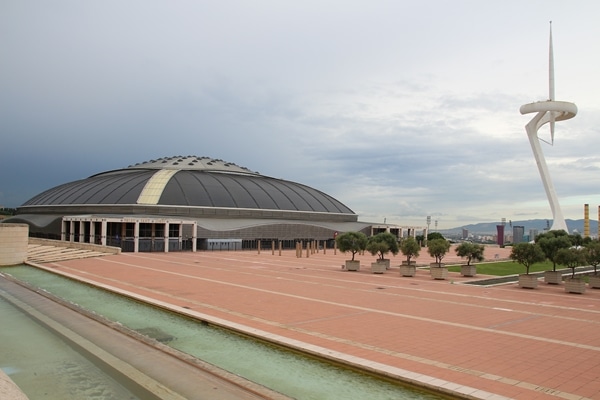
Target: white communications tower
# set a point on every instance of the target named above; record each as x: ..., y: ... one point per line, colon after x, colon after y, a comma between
x: 548, y: 111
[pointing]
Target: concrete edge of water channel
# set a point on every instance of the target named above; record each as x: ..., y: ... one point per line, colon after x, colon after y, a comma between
x: 138, y: 382
x: 9, y: 389
x: 405, y: 377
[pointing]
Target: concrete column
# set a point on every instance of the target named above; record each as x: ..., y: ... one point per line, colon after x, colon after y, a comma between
x: 180, y: 239
x: 166, y: 237
x: 194, y: 236
x: 81, y: 231
x: 63, y: 230
x: 91, y: 237
x: 103, y: 233
x: 136, y: 237
x: 72, y: 231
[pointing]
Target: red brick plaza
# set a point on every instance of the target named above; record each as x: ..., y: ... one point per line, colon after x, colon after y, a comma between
x: 485, y: 342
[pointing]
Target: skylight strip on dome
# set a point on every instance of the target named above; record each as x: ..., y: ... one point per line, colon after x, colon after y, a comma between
x: 155, y: 186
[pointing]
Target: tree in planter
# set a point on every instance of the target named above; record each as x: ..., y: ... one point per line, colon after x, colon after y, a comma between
x: 571, y: 258
x: 592, y: 256
x: 381, y: 244
x: 410, y: 248
x: 551, y: 242
x: 470, y: 251
x: 351, y: 242
x: 527, y: 254
x: 438, y: 248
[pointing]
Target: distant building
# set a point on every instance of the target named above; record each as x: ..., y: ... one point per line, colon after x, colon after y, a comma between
x: 532, y: 234
x: 500, y: 229
x: 518, y: 233
x: 189, y: 203
x: 465, y: 233
x: 162, y: 204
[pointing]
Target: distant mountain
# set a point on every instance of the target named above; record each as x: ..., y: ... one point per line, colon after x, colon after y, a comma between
x: 539, y: 224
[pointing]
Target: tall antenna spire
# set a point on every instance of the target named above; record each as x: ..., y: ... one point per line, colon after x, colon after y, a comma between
x: 551, y: 66
x: 551, y: 84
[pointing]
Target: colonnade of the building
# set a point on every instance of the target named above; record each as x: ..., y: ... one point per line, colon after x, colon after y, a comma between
x: 118, y: 232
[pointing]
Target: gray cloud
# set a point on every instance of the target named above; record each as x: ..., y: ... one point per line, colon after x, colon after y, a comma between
x: 400, y: 110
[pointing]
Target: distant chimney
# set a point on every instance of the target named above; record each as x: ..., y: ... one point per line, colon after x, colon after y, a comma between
x: 586, y: 220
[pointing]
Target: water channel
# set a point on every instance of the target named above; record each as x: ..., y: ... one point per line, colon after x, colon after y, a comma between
x: 45, y: 367
x: 282, y: 370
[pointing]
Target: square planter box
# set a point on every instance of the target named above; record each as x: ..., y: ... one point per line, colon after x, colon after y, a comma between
x: 438, y: 272
x: 386, y: 262
x: 352, y: 265
x: 575, y: 285
x: 378, y: 267
x: 468, y: 270
x: 528, y: 281
x: 594, y: 281
x: 553, y: 277
x: 408, y: 270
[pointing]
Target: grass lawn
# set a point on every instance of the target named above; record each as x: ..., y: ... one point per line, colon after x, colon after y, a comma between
x: 506, y: 268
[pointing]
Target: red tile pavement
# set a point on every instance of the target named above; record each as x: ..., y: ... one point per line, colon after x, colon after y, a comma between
x: 484, y: 342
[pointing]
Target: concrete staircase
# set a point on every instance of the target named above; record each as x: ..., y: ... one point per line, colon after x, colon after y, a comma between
x: 45, y: 251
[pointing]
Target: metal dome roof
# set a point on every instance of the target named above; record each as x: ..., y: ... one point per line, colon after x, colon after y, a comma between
x: 193, y: 182
x: 192, y: 162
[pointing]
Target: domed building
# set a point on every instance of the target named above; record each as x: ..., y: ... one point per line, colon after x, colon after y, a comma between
x: 185, y: 203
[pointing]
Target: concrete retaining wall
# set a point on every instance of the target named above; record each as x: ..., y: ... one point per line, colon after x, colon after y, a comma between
x: 13, y: 243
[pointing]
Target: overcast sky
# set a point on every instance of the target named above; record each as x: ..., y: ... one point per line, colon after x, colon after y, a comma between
x: 399, y: 109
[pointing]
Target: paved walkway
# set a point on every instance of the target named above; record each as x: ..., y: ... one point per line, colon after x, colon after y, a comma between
x: 483, y: 342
